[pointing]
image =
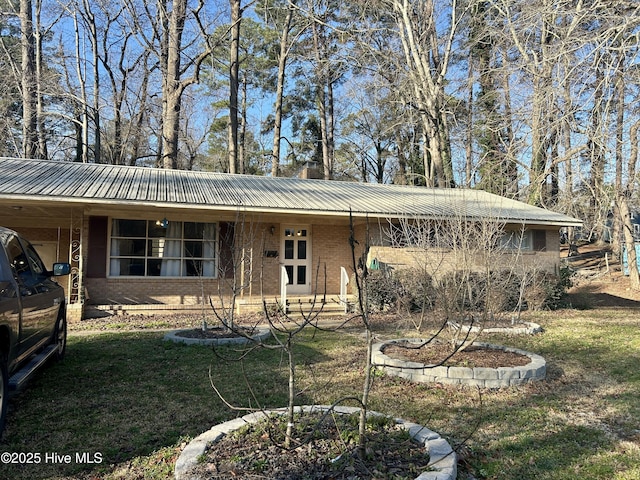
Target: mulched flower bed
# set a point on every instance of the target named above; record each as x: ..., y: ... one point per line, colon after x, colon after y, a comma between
x: 472, y: 356
x: 321, y: 450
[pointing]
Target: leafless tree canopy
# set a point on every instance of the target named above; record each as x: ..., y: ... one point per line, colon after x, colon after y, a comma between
x: 532, y: 100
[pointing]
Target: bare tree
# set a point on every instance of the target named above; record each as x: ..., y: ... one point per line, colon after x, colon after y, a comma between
x: 180, y: 58
x: 428, y: 43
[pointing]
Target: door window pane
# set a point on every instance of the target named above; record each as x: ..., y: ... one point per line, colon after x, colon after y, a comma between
x: 302, y: 275
x: 302, y: 249
x: 289, y: 269
x: 288, y: 249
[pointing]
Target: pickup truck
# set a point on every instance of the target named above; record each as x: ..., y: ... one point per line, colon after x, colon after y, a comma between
x: 33, y: 323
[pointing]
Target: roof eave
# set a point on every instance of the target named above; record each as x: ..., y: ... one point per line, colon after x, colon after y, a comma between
x: 85, y: 202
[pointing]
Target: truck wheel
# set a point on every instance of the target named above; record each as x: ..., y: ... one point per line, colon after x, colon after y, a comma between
x: 60, y: 336
x: 4, y: 392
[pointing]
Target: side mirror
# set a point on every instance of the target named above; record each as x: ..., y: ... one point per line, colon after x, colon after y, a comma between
x: 60, y: 269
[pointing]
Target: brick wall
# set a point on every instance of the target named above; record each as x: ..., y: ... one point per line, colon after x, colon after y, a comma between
x: 259, y: 272
x: 439, y: 261
x: 257, y: 269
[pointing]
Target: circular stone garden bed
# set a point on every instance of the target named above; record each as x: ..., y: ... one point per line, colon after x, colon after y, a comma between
x: 519, y: 367
x: 442, y: 461
x: 215, y: 336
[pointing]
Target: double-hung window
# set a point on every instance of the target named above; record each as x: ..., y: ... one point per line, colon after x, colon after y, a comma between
x: 517, y: 240
x: 166, y: 249
x: 527, y: 241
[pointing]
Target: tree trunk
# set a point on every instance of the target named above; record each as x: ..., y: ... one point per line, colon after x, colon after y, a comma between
x: 242, y: 131
x: 468, y: 165
x: 282, y: 64
x: 323, y: 98
x: 629, y: 241
x: 172, y: 87
x: 29, y: 82
x: 90, y: 22
x: 81, y: 105
x: 234, y: 66
x: 43, y: 151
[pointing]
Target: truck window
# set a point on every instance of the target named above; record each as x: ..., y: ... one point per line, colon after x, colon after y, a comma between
x: 37, y: 267
x: 21, y: 264
x: 6, y: 283
x: 18, y: 259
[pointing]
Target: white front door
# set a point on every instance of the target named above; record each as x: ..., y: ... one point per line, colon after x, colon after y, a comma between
x: 296, y: 258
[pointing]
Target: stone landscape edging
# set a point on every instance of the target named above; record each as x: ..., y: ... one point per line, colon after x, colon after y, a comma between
x: 482, y: 377
x: 442, y: 458
x: 174, y: 336
x: 530, y: 329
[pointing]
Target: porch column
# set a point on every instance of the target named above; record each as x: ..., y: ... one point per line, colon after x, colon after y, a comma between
x: 75, y: 300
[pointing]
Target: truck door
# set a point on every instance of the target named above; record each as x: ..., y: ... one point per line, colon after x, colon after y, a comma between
x: 40, y: 296
x: 9, y: 301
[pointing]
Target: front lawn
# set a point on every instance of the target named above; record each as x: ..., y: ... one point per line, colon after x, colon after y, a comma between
x: 129, y: 401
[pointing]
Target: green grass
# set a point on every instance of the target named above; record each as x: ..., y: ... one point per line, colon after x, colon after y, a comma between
x: 135, y: 400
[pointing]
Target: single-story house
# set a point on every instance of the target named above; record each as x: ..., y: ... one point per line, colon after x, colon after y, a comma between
x: 171, y: 239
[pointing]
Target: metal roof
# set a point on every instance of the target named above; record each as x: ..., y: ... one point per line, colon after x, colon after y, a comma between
x: 87, y: 183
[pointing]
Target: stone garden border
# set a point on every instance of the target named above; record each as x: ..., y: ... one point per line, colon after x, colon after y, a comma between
x: 530, y: 329
x: 442, y: 458
x: 480, y: 377
x: 174, y: 336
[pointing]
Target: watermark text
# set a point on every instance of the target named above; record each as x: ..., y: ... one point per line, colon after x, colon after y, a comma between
x: 52, y: 458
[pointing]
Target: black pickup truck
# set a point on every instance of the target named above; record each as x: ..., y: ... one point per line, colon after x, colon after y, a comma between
x: 33, y: 323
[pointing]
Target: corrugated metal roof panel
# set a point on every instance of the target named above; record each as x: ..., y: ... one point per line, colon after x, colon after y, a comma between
x: 92, y: 183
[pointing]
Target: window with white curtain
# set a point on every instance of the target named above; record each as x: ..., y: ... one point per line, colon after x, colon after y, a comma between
x: 147, y: 248
x: 517, y: 240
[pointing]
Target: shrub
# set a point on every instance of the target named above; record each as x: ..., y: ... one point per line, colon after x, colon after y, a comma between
x: 382, y: 289
x: 546, y: 290
x: 504, y: 294
x: 416, y: 290
x: 465, y: 291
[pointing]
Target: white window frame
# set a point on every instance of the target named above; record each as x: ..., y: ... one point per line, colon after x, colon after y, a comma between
x: 517, y: 240
x: 168, y: 256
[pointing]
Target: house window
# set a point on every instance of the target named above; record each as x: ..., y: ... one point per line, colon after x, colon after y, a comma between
x: 146, y: 248
x: 527, y: 241
x: 517, y: 240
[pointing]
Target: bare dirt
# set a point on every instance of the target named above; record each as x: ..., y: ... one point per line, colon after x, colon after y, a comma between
x: 598, y: 280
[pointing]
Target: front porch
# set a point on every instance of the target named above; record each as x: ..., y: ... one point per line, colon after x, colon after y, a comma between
x: 329, y: 305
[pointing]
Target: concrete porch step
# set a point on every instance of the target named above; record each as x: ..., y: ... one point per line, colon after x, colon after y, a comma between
x: 330, y: 305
